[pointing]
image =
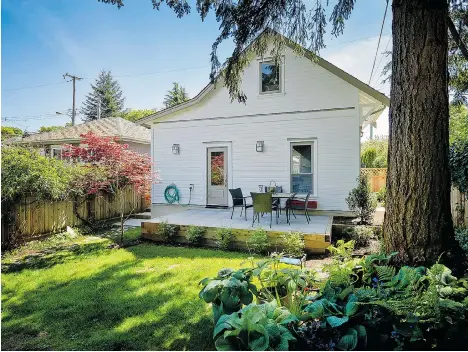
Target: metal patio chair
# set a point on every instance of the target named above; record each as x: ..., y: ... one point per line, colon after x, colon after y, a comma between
x: 290, y: 207
x: 238, y: 200
x: 262, y: 203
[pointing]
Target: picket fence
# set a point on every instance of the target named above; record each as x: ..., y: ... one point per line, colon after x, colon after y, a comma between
x: 32, y: 217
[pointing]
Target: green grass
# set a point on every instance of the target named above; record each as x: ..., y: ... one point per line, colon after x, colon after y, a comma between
x: 143, y: 297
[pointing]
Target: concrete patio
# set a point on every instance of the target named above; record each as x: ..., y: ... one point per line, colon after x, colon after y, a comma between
x: 201, y: 216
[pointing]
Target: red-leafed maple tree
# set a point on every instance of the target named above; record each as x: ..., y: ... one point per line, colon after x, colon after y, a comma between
x: 111, y: 168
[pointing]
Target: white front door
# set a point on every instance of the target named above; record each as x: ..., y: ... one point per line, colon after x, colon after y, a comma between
x: 217, y: 183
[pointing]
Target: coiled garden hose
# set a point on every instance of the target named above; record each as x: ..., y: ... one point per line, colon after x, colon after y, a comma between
x: 171, y: 194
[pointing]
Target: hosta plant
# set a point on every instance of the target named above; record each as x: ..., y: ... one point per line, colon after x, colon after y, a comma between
x: 228, y: 291
x: 256, y: 327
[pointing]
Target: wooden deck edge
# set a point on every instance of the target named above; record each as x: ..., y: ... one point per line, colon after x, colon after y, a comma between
x: 314, y: 243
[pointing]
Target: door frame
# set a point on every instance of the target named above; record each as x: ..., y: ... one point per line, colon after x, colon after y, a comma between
x: 217, y: 144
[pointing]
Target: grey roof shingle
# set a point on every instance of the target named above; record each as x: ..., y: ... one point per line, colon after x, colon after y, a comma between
x: 108, y: 127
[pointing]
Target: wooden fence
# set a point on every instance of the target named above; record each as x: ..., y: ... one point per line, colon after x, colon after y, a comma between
x: 32, y: 217
x: 377, y: 180
x: 377, y: 177
x: 459, y: 208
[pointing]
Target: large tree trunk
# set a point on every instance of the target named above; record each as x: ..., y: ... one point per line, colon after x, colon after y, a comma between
x: 418, y: 222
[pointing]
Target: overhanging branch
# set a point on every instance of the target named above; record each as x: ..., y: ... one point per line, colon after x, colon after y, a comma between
x: 456, y: 38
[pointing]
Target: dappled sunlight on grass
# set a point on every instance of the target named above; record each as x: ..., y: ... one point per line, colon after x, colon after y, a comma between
x: 138, y: 298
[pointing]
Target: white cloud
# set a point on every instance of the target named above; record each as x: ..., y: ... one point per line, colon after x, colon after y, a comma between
x: 357, y: 58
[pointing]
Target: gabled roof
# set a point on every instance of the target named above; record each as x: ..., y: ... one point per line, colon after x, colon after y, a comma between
x: 124, y: 130
x: 375, y: 94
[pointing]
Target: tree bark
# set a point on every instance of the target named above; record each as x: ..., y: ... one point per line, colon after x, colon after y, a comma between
x: 418, y: 222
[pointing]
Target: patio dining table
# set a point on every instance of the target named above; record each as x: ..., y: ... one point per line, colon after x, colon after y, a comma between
x: 286, y: 196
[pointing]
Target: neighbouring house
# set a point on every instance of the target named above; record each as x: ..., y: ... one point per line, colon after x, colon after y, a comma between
x: 300, y: 127
x: 137, y: 137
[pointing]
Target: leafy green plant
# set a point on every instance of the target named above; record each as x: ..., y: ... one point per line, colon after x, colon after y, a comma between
x: 224, y: 237
x: 259, y: 327
x: 195, y: 234
x: 461, y: 235
x: 381, y: 194
x: 374, y: 152
x: 293, y: 243
x: 288, y: 286
x: 25, y: 171
x: 228, y: 291
x: 361, y: 234
x: 258, y: 241
x: 361, y: 201
x: 166, y: 231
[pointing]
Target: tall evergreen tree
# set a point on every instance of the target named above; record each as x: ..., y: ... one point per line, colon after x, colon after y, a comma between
x: 105, y: 90
x: 176, y: 95
x: 418, y: 223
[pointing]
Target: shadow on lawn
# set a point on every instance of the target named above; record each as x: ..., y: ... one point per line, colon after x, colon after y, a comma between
x: 122, y: 307
x: 54, y: 256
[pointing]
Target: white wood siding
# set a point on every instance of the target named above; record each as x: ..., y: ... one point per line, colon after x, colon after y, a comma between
x: 275, y: 118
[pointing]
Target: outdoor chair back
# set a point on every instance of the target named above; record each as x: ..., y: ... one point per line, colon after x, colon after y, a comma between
x: 237, y: 196
x: 262, y: 202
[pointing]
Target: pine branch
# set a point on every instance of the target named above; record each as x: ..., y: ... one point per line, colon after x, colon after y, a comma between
x: 456, y: 38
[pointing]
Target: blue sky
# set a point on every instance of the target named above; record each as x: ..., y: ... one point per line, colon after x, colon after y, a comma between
x: 146, y: 50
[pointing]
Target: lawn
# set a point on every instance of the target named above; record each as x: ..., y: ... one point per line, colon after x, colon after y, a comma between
x: 143, y: 297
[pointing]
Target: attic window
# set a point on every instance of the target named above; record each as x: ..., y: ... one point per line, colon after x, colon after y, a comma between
x: 270, y: 77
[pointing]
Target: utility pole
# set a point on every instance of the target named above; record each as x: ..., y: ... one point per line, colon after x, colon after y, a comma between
x: 99, y: 108
x: 73, y: 78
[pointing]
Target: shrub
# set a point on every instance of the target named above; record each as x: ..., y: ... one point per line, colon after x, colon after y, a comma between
x: 195, y: 234
x: 361, y: 201
x: 293, y: 243
x: 223, y: 237
x: 361, y: 235
x: 258, y: 241
x: 381, y: 194
x: 461, y: 234
x: 374, y: 152
x: 26, y: 171
x: 166, y: 231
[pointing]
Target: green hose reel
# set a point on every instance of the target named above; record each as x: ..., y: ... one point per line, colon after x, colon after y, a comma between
x: 171, y: 194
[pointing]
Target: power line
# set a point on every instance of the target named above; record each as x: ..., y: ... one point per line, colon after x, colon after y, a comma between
x: 30, y: 87
x: 355, y: 40
x: 166, y: 71
x: 378, y: 44
x: 383, y: 53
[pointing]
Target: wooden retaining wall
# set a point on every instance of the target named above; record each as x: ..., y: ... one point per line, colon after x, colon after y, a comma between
x: 314, y: 243
x: 32, y: 217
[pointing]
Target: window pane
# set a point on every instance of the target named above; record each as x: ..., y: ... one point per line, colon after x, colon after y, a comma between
x: 302, y: 183
x: 270, y: 77
x: 302, y: 159
x: 217, y: 168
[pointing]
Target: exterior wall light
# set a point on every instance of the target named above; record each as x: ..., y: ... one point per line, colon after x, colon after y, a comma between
x: 259, y: 146
x: 175, y: 149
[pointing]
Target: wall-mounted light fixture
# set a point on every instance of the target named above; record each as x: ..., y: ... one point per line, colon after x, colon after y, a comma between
x: 259, y: 146
x: 175, y: 149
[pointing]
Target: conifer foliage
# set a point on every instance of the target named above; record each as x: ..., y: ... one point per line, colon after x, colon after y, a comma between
x: 106, y: 91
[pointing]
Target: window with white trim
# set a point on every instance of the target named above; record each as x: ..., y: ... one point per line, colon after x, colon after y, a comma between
x: 270, y: 77
x: 302, y: 167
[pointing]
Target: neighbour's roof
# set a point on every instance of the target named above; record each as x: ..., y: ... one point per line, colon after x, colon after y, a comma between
x: 124, y: 130
x: 363, y: 87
